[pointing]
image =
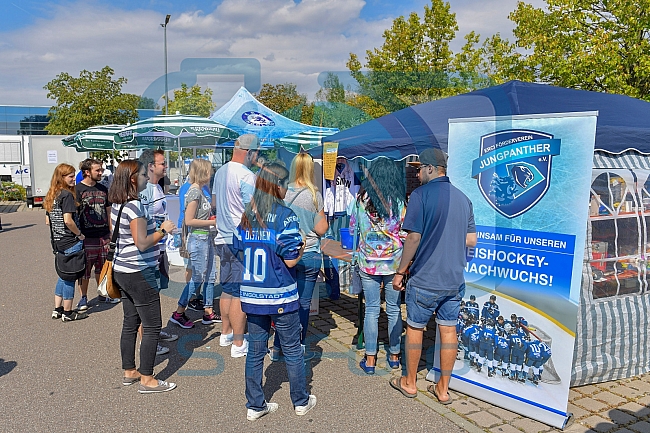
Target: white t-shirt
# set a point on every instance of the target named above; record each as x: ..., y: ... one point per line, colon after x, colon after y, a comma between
x: 234, y: 185
x: 153, y: 197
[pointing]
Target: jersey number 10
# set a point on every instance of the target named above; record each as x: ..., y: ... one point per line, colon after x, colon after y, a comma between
x: 254, y: 265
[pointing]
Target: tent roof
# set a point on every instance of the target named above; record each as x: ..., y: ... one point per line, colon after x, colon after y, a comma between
x: 246, y: 115
x: 623, y: 122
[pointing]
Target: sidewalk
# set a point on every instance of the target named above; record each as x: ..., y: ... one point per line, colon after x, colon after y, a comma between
x: 618, y: 406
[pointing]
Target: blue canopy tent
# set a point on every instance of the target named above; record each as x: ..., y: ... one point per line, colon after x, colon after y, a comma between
x: 613, y: 305
x: 623, y: 122
x: 246, y: 115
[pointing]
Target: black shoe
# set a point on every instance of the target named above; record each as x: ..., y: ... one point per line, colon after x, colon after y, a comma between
x: 195, y: 305
x: 73, y: 316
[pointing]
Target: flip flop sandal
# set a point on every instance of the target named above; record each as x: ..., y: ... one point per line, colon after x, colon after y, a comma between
x: 396, y: 383
x: 432, y: 390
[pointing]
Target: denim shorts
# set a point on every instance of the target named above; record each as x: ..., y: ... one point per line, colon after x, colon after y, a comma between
x: 422, y: 303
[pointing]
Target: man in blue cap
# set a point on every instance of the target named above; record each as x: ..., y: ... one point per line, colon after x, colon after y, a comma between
x: 440, y: 225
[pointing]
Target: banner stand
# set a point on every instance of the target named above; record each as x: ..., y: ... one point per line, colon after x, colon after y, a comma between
x: 527, y: 177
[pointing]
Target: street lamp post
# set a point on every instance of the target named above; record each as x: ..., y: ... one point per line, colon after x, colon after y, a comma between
x: 164, y: 26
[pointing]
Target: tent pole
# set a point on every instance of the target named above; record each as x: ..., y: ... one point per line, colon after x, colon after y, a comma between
x: 180, y: 161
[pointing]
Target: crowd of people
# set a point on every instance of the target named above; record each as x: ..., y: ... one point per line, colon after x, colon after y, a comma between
x: 504, y: 346
x: 265, y: 231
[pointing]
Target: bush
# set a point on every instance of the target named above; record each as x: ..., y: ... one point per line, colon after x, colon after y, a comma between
x: 10, y: 191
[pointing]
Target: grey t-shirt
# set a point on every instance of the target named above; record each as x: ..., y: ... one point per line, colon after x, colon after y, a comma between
x: 303, y: 206
x: 203, y: 209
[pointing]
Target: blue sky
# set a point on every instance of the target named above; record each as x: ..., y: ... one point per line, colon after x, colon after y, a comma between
x: 294, y: 41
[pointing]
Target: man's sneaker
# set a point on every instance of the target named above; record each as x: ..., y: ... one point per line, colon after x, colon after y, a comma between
x: 302, y: 410
x: 195, y: 305
x: 252, y: 415
x: 161, y: 387
x: 161, y: 350
x: 166, y: 336
x: 83, y: 304
x: 225, y: 340
x: 239, y: 351
x: 209, y: 319
x: 181, y: 320
x: 109, y: 300
x: 73, y: 316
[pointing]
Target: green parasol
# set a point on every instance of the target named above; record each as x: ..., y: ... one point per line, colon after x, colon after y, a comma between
x: 94, y: 138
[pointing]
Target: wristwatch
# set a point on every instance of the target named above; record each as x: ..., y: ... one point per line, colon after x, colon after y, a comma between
x: 162, y: 231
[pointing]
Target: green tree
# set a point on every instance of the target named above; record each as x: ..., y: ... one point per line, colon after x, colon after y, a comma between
x: 332, y: 90
x: 334, y: 107
x: 94, y: 98
x: 285, y: 99
x: 600, y: 45
x: 192, y: 101
x: 146, y: 104
x: 415, y: 63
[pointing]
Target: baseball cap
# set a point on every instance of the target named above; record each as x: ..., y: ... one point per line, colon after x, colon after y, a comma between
x: 432, y: 156
x: 248, y: 142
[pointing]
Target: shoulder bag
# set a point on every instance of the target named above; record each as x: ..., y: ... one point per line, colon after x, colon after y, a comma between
x: 69, y: 267
x: 356, y: 287
x: 107, y: 286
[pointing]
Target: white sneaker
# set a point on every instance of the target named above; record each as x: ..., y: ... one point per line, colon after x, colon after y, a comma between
x: 225, y: 340
x: 239, y: 351
x: 252, y: 415
x: 161, y: 350
x: 302, y: 410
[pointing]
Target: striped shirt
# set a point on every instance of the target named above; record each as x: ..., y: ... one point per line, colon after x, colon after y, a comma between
x: 128, y: 259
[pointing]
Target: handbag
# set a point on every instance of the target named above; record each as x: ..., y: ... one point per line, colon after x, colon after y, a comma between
x: 356, y: 286
x: 107, y: 286
x: 69, y: 267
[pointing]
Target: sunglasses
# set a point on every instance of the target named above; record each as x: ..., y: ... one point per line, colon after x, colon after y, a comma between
x: 422, y: 166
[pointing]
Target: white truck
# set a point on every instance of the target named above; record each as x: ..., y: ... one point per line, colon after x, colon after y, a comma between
x: 30, y: 161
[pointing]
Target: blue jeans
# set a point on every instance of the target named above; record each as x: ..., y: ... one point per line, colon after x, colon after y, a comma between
x: 288, y: 327
x: 371, y: 291
x: 202, y: 265
x: 63, y: 288
x: 306, y: 273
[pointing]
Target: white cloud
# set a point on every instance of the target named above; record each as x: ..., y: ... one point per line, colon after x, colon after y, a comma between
x: 294, y: 42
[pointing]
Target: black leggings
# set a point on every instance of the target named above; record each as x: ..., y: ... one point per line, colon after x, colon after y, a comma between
x: 141, y: 304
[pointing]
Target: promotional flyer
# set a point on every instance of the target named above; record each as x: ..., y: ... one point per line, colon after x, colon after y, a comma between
x: 528, y: 178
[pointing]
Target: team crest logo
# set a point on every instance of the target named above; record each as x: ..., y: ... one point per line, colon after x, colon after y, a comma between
x: 514, y: 169
x: 257, y: 119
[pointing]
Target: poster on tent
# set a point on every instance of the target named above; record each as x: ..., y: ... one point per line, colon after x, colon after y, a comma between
x: 528, y: 178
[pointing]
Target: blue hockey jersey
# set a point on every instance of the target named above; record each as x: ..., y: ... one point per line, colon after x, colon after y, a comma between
x: 268, y: 286
x: 488, y: 337
x: 538, y: 350
x: 490, y: 311
x: 472, y: 308
x: 518, y: 345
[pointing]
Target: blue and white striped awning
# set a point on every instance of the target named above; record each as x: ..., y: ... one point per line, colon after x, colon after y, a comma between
x: 630, y: 159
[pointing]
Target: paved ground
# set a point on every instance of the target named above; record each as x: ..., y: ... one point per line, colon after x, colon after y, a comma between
x: 56, y: 375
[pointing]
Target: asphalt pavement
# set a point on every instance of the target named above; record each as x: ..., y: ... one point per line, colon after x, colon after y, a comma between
x: 67, y: 376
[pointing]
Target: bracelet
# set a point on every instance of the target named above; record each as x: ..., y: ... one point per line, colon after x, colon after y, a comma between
x: 403, y: 274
